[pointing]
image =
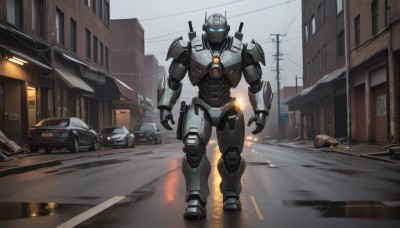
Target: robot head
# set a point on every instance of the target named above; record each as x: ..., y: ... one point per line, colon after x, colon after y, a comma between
x: 216, y: 28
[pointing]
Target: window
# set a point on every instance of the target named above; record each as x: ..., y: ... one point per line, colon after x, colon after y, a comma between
x: 59, y: 27
x: 101, y: 54
x: 339, y: 6
x: 37, y: 17
x: 312, y: 25
x: 107, y: 63
x: 324, y: 58
x: 321, y: 14
x: 306, y: 32
x: 94, y: 6
x: 387, y: 11
x: 319, y: 62
x: 87, y: 2
x: 107, y: 13
x: 73, y: 36
x: 95, y: 50
x: 374, y: 14
x: 14, y: 12
x: 357, y: 30
x: 88, y: 48
x: 340, y: 44
x: 101, y: 9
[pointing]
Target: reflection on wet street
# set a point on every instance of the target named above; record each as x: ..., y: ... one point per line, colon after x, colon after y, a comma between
x: 10, y: 211
x: 350, y: 209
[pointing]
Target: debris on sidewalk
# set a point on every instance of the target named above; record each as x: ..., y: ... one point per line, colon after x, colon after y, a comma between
x: 324, y: 141
x: 7, y: 146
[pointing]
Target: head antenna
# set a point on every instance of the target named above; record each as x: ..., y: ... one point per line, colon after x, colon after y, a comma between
x: 205, y: 18
x: 225, y: 14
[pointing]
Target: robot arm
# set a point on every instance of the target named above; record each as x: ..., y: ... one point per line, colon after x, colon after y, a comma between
x: 170, y: 88
x: 260, y: 93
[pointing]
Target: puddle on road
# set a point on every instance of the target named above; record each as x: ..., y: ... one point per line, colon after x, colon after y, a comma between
x: 86, y: 165
x: 9, y: 211
x: 262, y: 164
x: 350, y: 209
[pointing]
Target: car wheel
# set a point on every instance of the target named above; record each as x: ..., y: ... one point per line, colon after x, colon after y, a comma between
x: 48, y: 150
x: 33, y: 149
x: 75, y: 145
x: 95, y: 145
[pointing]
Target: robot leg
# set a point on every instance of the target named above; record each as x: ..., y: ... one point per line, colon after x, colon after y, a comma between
x: 195, y: 165
x: 231, y: 164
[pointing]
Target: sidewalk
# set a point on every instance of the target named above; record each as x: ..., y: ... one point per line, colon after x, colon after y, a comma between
x: 370, y: 151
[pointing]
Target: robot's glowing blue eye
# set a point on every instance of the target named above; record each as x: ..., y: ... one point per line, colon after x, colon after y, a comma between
x: 220, y: 30
x: 211, y: 30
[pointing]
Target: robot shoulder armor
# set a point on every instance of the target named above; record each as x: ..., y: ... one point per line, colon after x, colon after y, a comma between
x: 177, y: 47
x: 256, y: 51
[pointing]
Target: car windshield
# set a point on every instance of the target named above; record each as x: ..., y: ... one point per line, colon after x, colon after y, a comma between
x: 144, y: 127
x: 113, y: 130
x: 53, y: 123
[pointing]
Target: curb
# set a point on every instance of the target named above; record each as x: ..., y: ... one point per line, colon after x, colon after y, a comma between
x: 368, y: 155
x: 27, y: 168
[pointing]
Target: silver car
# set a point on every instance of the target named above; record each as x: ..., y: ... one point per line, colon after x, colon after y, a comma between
x: 116, y: 136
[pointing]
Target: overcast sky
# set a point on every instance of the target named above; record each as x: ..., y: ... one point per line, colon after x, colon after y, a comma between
x: 163, y: 21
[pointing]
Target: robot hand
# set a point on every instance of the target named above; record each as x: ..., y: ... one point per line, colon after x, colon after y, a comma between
x: 259, y: 118
x: 165, y: 115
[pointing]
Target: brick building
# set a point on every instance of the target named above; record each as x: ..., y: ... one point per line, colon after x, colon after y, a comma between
x: 361, y: 38
x: 62, y: 53
x: 374, y: 51
x: 127, y: 53
x: 323, y: 102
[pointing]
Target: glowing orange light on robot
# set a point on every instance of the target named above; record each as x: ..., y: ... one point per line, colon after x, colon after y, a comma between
x: 215, y: 60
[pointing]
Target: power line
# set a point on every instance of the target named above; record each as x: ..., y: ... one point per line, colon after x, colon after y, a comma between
x: 253, y: 11
x: 192, y: 11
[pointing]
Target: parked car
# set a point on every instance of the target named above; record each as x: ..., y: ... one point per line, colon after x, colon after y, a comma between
x: 116, y: 136
x: 147, y: 132
x: 65, y: 132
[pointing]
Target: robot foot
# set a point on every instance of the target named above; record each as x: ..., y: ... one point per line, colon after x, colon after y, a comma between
x: 232, y: 204
x: 195, y: 210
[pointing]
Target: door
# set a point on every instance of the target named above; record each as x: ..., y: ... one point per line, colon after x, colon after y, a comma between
x: 379, y: 107
x: 360, y: 114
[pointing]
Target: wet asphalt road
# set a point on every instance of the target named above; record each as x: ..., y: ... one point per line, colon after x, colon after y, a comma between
x: 144, y: 187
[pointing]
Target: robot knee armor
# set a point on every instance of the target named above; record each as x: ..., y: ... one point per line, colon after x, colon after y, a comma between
x: 194, y: 150
x: 232, y: 160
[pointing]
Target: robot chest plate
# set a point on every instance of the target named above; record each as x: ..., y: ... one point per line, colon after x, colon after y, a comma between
x: 215, y: 65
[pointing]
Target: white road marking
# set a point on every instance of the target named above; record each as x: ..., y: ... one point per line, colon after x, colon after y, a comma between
x: 91, y: 212
x: 259, y: 214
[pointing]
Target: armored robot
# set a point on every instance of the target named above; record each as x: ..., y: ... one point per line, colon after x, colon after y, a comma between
x: 214, y: 63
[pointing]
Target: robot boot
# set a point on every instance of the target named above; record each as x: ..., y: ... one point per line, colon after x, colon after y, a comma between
x: 231, y: 175
x: 196, y: 169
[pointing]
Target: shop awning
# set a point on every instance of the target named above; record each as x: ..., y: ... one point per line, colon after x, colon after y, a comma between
x: 25, y: 57
x: 72, y: 80
x: 307, y: 92
x: 126, y: 91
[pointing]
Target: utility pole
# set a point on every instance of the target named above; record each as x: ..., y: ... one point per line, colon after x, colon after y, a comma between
x: 277, y: 56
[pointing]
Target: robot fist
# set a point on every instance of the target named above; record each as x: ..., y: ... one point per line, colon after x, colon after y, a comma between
x: 165, y: 116
x: 259, y: 118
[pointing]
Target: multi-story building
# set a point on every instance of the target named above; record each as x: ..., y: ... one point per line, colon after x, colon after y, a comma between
x: 351, y: 59
x: 323, y: 102
x: 60, y: 54
x: 374, y: 63
x: 127, y: 53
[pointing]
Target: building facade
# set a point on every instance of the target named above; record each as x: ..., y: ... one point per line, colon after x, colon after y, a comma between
x: 54, y: 62
x: 351, y: 70
x: 323, y: 102
x: 374, y: 48
x: 127, y: 53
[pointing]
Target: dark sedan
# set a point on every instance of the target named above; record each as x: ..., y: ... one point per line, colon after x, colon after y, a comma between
x: 116, y: 136
x: 65, y: 132
x: 147, y: 133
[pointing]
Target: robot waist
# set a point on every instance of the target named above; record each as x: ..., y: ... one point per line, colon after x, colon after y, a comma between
x: 216, y: 113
